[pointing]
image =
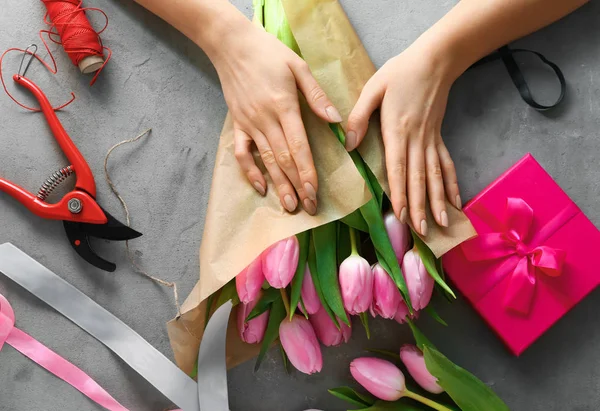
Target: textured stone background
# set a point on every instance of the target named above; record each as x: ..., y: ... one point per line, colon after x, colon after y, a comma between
x: 161, y: 80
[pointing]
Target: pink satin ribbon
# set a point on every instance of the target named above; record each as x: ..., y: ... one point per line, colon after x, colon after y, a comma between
x: 51, y: 361
x: 523, y: 261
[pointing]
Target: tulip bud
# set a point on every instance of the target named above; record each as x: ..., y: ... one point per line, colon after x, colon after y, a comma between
x: 398, y: 232
x: 253, y: 331
x: 280, y: 261
x: 326, y: 330
x: 356, y: 283
x: 386, y: 296
x: 420, y: 283
x: 381, y: 378
x: 413, y: 359
x: 402, y: 313
x: 299, y: 341
x: 249, y: 282
x: 310, y: 298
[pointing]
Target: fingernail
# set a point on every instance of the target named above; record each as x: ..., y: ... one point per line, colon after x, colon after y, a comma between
x: 259, y: 187
x: 444, y: 218
x: 403, y: 215
x: 333, y: 114
x: 289, y: 203
x: 310, y: 191
x: 309, y: 206
x: 350, y: 140
x: 458, y: 202
x: 424, y: 228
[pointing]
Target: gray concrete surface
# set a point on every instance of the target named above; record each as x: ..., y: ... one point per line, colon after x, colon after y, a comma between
x: 159, y: 79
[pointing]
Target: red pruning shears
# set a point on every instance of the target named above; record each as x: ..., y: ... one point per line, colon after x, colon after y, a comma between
x: 78, y: 209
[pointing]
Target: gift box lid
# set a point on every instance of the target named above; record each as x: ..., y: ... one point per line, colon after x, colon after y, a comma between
x: 530, y: 263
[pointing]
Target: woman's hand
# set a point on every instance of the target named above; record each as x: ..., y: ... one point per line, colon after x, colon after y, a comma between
x: 412, y: 91
x: 261, y: 78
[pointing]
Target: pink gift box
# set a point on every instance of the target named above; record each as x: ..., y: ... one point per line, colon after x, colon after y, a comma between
x: 533, y: 259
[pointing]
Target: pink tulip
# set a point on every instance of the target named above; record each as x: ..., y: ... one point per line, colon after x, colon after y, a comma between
x: 420, y: 283
x: 386, y: 296
x: 310, y: 298
x: 413, y: 359
x: 326, y: 330
x: 280, y: 261
x: 381, y: 378
x: 356, y: 283
x: 253, y: 331
x: 249, y: 281
x: 399, y: 234
x: 402, y: 313
x: 299, y: 341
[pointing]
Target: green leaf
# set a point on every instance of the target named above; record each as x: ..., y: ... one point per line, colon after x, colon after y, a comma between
x: 377, y: 189
x: 312, y: 265
x: 440, y: 267
x: 351, y: 396
x: 304, y: 241
x: 401, y: 405
x: 356, y: 220
x: 434, y: 314
x: 209, y: 304
x: 467, y: 391
x: 228, y: 293
x: 284, y: 356
x: 265, y: 302
x: 344, y: 247
x: 276, y: 23
x: 429, y: 262
x: 326, y: 252
x: 194, y: 372
x: 420, y: 338
x: 364, y: 319
x: 276, y: 316
x: 393, y: 355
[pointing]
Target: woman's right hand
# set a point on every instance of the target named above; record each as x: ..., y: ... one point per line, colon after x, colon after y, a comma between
x: 261, y: 77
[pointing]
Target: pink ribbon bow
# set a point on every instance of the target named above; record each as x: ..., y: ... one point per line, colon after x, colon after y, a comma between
x: 512, y: 242
x: 51, y: 361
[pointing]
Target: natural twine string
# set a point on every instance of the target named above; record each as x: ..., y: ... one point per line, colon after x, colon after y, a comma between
x: 134, y: 263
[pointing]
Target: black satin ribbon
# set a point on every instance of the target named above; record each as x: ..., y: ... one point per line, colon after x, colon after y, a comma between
x: 506, y: 54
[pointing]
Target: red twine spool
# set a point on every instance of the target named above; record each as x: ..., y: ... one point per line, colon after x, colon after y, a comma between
x: 69, y: 26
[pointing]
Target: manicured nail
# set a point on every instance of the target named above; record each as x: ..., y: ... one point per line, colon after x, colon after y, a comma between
x: 289, y: 203
x: 333, y: 114
x: 458, y: 202
x: 424, y: 228
x: 403, y: 215
x: 310, y: 191
x: 309, y: 206
x: 350, y: 140
x: 444, y: 218
x: 259, y: 187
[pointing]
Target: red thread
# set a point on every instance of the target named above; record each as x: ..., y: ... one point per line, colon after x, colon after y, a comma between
x: 69, y: 27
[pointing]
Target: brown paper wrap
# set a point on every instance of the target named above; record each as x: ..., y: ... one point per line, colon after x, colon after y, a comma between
x: 240, y: 224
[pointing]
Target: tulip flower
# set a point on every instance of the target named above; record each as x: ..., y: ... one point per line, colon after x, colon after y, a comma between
x: 253, y: 331
x: 385, y: 381
x: 249, y: 282
x: 419, y: 282
x: 413, y: 359
x: 356, y: 284
x: 300, y: 343
x: 402, y: 313
x: 399, y: 234
x: 280, y: 261
x: 326, y: 330
x: 386, y: 296
x: 310, y: 298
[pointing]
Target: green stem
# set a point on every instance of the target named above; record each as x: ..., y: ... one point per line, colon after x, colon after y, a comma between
x: 353, y: 241
x: 426, y: 401
x: 286, y: 302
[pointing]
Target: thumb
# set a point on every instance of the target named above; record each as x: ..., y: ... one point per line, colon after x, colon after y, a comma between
x: 314, y: 94
x: 370, y: 99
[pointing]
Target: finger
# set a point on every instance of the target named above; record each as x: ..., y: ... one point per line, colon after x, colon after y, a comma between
x: 416, y: 187
x: 358, y: 122
x: 449, y: 175
x: 435, y: 186
x: 282, y: 184
x: 395, y: 158
x: 314, y: 94
x: 299, y: 148
x: 243, y: 154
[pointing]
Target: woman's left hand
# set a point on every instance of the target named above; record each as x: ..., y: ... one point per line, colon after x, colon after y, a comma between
x: 412, y: 90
